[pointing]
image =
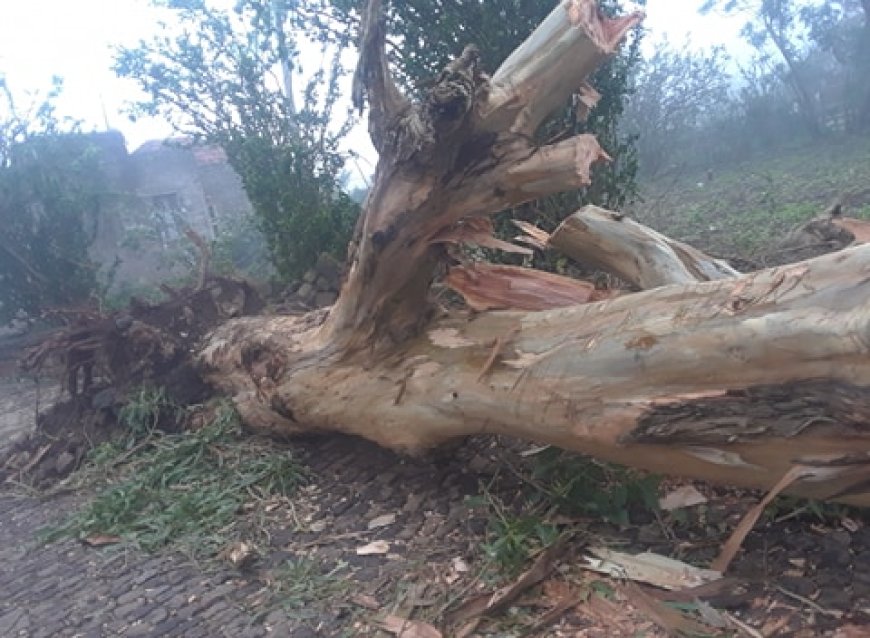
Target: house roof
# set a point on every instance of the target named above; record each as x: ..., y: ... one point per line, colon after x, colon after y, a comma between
x: 203, y: 154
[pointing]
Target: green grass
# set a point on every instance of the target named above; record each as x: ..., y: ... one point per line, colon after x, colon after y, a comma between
x: 513, y: 539
x: 747, y: 207
x: 562, y: 485
x: 581, y: 486
x: 142, y: 412
x: 301, y: 585
x: 182, y: 490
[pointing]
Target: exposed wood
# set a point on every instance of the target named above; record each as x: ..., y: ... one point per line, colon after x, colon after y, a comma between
x: 823, y: 234
x: 734, y: 381
x: 539, y: 76
x: 634, y: 252
x: 490, y: 287
x: 478, y: 231
x: 858, y: 228
x: 456, y: 154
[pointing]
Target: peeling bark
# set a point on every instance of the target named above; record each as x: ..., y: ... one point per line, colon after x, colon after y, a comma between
x: 489, y: 287
x: 464, y: 150
x: 733, y: 380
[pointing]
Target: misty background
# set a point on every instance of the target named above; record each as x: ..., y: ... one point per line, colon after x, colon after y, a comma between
x: 729, y: 121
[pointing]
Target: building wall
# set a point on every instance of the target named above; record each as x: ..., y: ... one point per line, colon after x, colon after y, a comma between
x: 152, y: 196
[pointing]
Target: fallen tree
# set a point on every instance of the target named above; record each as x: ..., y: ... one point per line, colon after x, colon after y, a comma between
x: 736, y: 380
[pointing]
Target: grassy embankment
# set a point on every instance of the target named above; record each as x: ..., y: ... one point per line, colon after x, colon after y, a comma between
x: 748, y: 206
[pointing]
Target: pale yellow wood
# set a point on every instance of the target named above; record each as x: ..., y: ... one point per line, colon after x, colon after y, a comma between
x: 635, y: 252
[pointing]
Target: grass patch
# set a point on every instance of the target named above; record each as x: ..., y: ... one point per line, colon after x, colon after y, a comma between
x: 182, y: 490
x: 562, y: 485
x: 513, y: 539
x: 748, y: 206
x: 143, y: 411
x: 299, y: 584
x: 580, y: 486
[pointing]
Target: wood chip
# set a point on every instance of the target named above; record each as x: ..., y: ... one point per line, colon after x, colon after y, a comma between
x: 382, y: 521
x: 374, y: 548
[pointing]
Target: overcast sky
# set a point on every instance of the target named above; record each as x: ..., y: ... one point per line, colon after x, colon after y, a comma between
x: 73, y: 39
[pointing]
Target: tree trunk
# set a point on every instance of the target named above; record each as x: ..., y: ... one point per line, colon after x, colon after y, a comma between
x: 734, y: 380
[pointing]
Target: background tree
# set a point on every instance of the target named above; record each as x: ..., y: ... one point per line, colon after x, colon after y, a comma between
x: 825, y: 50
x: 776, y: 25
x: 842, y: 29
x: 676, y: 94
x: 49, y: 199
x: 228, y: 77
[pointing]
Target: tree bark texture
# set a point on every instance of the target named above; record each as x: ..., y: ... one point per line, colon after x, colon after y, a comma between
x: 707, y: 374
x: 636, y: 253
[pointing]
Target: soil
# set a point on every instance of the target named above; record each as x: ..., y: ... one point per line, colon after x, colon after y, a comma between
x: 801, y: 572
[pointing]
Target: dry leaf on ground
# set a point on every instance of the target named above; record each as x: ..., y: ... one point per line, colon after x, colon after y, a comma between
x: 404, y: 628
x: 374, y: 548
x: 733, y: 544
x: 682, y: 497
x: 100, y: 540
x: 665, y: 616
x: 239, y: 554
x: 364, y: 600
x: 471, y: 610
x: 382, y: 521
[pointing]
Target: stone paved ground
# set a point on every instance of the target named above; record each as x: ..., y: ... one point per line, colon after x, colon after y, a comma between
x: 69, y: 589
x: 66, y: 589
x: 17, y: 413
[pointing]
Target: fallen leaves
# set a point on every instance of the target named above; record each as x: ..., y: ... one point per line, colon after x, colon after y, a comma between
x: 458, y: 567
x: 468, y: 615
x: 668, y: 618
x: 381, y: 521
x: 240, y: 554
x: 366, y: 601
x: 100, y: 540
x: 682, y: 497
x: 404, y: 628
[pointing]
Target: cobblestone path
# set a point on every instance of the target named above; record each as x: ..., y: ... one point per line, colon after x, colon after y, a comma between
x: 66, y: 589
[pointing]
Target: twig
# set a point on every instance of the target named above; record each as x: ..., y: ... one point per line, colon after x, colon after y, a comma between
x: 742, y: 626
x: 331, y: 539
x: 833, y: 613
